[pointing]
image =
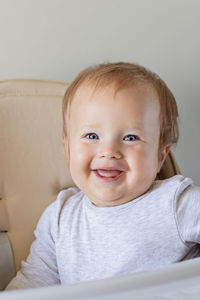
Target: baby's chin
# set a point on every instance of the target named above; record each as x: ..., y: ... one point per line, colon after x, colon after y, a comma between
x: 108, y: 199
x: 108, y: 202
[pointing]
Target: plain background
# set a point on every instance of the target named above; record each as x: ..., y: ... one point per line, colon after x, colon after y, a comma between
x: 55, y: 39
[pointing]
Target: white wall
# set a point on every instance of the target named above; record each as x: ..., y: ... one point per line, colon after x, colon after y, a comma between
x: 54, y: 39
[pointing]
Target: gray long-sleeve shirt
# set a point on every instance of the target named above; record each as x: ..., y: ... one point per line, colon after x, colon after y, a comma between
x: 78, y: 241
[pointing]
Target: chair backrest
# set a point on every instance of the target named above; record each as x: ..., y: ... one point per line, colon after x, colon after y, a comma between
x: 33, y: 168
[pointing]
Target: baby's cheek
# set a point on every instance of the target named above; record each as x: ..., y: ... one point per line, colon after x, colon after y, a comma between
x: 76, y: 173
x: 76, y: 151
x: 144, y: 163
x: 80, y: 159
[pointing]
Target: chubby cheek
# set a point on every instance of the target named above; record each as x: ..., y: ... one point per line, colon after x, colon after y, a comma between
x: 144, y: 165
x: 80, y: 160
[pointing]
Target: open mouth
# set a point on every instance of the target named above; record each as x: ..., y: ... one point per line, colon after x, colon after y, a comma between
x: 108, y: 175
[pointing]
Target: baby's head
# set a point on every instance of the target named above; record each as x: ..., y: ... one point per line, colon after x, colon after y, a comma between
x: 119, y: 122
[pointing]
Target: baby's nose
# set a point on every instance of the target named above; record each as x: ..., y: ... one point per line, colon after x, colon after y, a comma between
x: 109, y: 152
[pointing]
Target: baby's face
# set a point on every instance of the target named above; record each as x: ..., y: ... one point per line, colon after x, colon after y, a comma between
x: 114, y: 143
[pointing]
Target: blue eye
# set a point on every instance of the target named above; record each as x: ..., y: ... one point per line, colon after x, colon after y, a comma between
x: 131, y: 138
x: 92, y: 136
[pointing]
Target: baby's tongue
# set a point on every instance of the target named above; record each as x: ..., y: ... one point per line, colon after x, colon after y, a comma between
x: 108, y: 173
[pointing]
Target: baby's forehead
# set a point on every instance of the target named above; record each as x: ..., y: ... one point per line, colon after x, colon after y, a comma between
x: 90, y: 102
x: 86, y: 91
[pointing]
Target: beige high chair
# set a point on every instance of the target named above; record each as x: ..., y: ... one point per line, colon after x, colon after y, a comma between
x: 33, y: 168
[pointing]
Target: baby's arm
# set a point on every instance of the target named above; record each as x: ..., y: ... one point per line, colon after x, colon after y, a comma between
x: 40, y: 268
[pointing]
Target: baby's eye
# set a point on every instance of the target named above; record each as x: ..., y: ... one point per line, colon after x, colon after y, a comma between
x: 131, y: 138
x: 92, y: 136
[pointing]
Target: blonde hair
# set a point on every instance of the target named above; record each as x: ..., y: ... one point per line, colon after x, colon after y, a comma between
x: 124, y: 75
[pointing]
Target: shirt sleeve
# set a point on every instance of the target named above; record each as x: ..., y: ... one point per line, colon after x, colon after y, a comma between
x: 188, y: 212
x: 40, y: 268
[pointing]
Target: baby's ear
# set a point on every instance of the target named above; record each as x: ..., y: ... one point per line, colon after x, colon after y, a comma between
x: 162, y: 155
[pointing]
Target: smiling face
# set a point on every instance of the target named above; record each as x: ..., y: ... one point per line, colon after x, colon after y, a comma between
x: 113, y: 142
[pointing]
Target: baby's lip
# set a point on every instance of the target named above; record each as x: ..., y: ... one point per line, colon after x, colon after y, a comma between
x: 109, y: 169
x: 108, y: 174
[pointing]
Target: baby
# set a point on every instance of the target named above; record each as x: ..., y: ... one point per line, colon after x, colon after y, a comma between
x: 119, y: 123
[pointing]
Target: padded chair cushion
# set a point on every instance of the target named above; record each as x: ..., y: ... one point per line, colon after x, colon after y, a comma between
x: 33, y: 168
x: 4, y: 222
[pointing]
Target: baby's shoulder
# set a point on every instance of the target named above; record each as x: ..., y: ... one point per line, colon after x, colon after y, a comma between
x: 68, y: 197
x: 177, y: 187
x: 177, y: 183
